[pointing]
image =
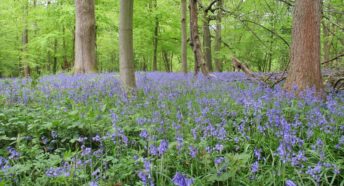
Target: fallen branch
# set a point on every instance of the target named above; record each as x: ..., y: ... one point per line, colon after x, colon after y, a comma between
x: 239, y: 66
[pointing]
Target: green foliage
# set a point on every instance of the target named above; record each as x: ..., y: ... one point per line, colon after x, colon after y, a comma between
x: 255, y: 31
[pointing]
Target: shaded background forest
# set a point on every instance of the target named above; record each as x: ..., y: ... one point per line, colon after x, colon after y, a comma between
x: 257, y: 32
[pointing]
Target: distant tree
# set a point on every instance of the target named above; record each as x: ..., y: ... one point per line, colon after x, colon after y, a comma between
x: 155, y: 38
x: 127, y: 70
x: 304, y: 71
x: 85, y: 37
x: 184, y: 37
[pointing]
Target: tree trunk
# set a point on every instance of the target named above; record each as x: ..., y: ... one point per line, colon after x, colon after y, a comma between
x: 127, y: 71
x: 166, y: 60
x: 25, y: 41
x: 85, y: 37
x: 155, y: 39
x: 207, y: 41
x: 218, y: 36
x: 184, y: 38
x: 64, y: 44
x: 304, y: 71
x: 327, y: 44
x: 326, y: 34
x: 195, y: 41
x: 55, y: 57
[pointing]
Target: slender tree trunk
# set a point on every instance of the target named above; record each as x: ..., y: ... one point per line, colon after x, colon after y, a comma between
x: 171, y: 62
x: 305, y: 71
x: 195, y: 41
x: 155, y: 39
x: 64, y: 45
x: 218, y: 36
x: 327, y: 44
x: 207, y: 41
x: 184, y: 38
x: 85, y: 37
x: 166, y: 61
x: 55, y: 57
x: 73, y: 54
x: 127, y: 71
x: 25, y: 41
x: 326, y: 34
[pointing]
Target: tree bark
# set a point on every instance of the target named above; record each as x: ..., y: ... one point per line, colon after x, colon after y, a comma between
x: 64, y: 44
x: 304, y: 71
x: 155, y: 39
x: 85, y: 37
x: 25, y: 41
x: 55, y: 57
x: 326, y: 34
x: 207, y: 41
x: 218, y: 36
x: 184, y: 37
x: 195, y: 41
x: 127, y: 71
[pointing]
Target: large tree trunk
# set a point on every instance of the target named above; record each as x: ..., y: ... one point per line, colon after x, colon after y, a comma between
x: 25, y: 41
x: 195, y: 41
x: 207, y: 41
x: 155, y: 39
x: 304, y: 71
x: 85, y: 37
x: 184, y: 38
x: 218, y: 36
x: 127, y: 71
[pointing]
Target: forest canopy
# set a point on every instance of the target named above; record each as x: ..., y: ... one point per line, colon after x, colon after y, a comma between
x: 256, y: 32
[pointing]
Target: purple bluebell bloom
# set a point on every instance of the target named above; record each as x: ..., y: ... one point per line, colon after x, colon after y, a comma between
x: 290, y: 183
x: 163, y: 147
x: 255, y: 167
x: 144, y: 134
x: 219, y: 160
x: 14, y: 155
x: 181, y: 180
x: 193, y: 151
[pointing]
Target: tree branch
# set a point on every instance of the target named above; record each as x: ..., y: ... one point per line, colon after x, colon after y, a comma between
x: 333, y: 59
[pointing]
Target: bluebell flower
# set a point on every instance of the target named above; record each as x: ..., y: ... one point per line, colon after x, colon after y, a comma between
x: 163, y: 147
x: 193, y: 151
x: 93, y: 183
x: 180, y: 142
x: 315, y: 172
x: 257, y: 153
x: 219, y: 147
x: 144, y: 134
x: 97, y: 138
x: 96, y: 173
x: 14, y: 155
x: 85, y: 150
x: 290, y: 183
x: 82, y: 139
x: 143, y: 177
x: 255, y: 167
x: 219, y: 160
x: 147, y: 165
x: 153, y: 150
x: 181, y: 180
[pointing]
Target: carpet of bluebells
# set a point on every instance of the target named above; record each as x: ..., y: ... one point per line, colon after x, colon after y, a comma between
x: 174, y: 130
